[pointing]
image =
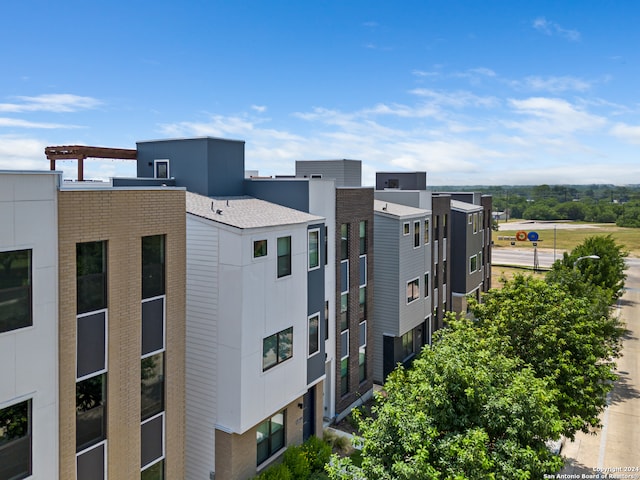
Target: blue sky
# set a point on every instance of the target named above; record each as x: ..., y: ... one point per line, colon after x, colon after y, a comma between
x: 473, y: 92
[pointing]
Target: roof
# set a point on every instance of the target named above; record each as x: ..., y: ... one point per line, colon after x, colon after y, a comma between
x: 465, y: 207
x: 396, y: 209
x: 245, y: 212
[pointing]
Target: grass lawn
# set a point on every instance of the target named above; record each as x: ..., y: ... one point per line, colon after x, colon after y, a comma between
x: 568, y: 238
x: 499, y: 272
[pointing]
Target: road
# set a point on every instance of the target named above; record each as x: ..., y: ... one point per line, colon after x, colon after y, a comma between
x: 524, y: 257
x: 615, y: 449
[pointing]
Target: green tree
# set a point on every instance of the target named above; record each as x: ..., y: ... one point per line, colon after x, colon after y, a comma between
x: 607, y: 271
x: 462, y: 411
x: 568, y: 340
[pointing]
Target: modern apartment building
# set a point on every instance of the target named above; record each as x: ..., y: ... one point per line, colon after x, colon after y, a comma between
x: 29, y: 324
x: 402, y: 323
x: 256, y: 309
x: 121, y: 331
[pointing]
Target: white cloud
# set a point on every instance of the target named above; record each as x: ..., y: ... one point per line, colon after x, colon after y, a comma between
x: 21, y: 153
x: 552, y: 116
x: 60, y: 102
x: 551, y: 28
x: 259, y: 108
x: 455, y: 99
x: 552, y: 84
x: 13, y: 122
x: 628, y: 133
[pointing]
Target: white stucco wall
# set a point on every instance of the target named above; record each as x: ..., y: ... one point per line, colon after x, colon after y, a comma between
x: 29, y: 356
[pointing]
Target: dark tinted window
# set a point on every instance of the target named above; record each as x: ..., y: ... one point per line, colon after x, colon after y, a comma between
x: 15, y: 290
x: 153, y: 268
x: 91, y: 268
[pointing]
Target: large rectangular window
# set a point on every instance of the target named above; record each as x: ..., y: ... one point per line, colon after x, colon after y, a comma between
x: 15, y: 441
x: 426, y: 285
x: 344, y: 376
x: 90, y: 464
x: 91, y: 419
x: 344, y: 241
x: 363, y: 301
x: 413, y: 290
x: 344, y: 276
x: 314, y: 334
x: 314, y: 248
x: 277, y: 348
x: 426, y: 231
x: 15, y: 290
x: 416, y: 234
x: 153, y: 266
x: 91, y: 275
x: 362, y: 352
x: 363, y: 237
x: 152, y: 385
x: 152, y: 441
x: 284, y: 256
x: 344, y: 311
x: 407, y: 345
x: 91, y: 344
x: 270, y: 437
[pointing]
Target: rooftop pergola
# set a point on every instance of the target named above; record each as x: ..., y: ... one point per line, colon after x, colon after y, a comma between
x: 80, y: 152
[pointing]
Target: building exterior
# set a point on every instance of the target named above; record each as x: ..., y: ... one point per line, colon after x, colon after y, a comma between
x: 410, y: 189
x: 402, y: 294
x: 29, y: 324
x: 121, y: 332
x: 250, y: 263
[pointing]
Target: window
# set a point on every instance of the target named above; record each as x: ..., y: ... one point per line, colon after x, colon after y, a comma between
x: 91, y: 276
x: 475, y: 223
x: 91, y: 344
x: 314, y: 334
x: 413, y: 290
x: 91, y: 419
x: 284, y: 256
x: 407, y: 345
x: 151, y: 441
x: 344, y: 276
x: 270, y: 437
x: 90, y: 464
x: 363, y: 237
x: 153, y: 335
x: 426, y: 285
x: 326, y: 320
x: 344, y: 362
x: 326, y: 245
x: 426, y: 231
x: 153, y: 261
x: 154, y: 472
x: 152, y: 385
x: 469, y: 218
x: 314, y: 248
x: 405, y: 228
x: 344, y: 311
x: 473, y: 263
x: 277, y: 348
x: 15, y: 441
x: 444, y: 226
x: 480, y: 264
x: 15, y: 290
x: 363, y: 270
x: 161, y: 168
x: 344, y: 241
x: 362, y: 352
x: 416, y: 234
x: 363, y: 301
x: 259, y: 248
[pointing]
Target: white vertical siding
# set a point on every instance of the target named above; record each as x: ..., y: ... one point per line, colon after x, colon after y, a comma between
x: 201, y: 352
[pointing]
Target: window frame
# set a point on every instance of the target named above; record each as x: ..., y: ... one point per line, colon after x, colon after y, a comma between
x: 406, y: 228
x: 28, y: 436
x: 427, y: 234
x: 414, y: 288
x: 104, y: 273
x: 286, y: 256
x: 317, y: 335
x: 164, y: 439
x: 106, y: 344
x: 28, y: 288
x: 278, y: 360
x: 272, y: 451
x: 163, y: 263
x: 157, y: 163
x: 473, y: 259
x: 427, y: 280
x: 310, y: 233
x: 102, y: 443
x: 266, y: 248
x: 416, y: 234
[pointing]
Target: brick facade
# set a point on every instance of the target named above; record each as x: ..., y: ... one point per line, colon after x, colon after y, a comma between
x: 354, y: 205
x: 122, y: 217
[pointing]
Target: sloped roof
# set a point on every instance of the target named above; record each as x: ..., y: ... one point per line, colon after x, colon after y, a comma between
x: 465, y: 207
x: 396, y: 209
x: 245, y: 212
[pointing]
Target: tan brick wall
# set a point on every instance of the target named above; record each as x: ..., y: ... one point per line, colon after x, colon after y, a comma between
x: 236, y: 454
x: 122, y: 217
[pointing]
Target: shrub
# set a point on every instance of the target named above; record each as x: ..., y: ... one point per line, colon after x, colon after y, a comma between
x: 295, y: 458
x: 317, y: 452
x: 275, y: 472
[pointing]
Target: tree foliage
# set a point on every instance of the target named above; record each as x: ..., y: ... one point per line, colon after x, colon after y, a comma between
x: 606, y: 272
x: 566, y: 339
x: 463, y: 411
